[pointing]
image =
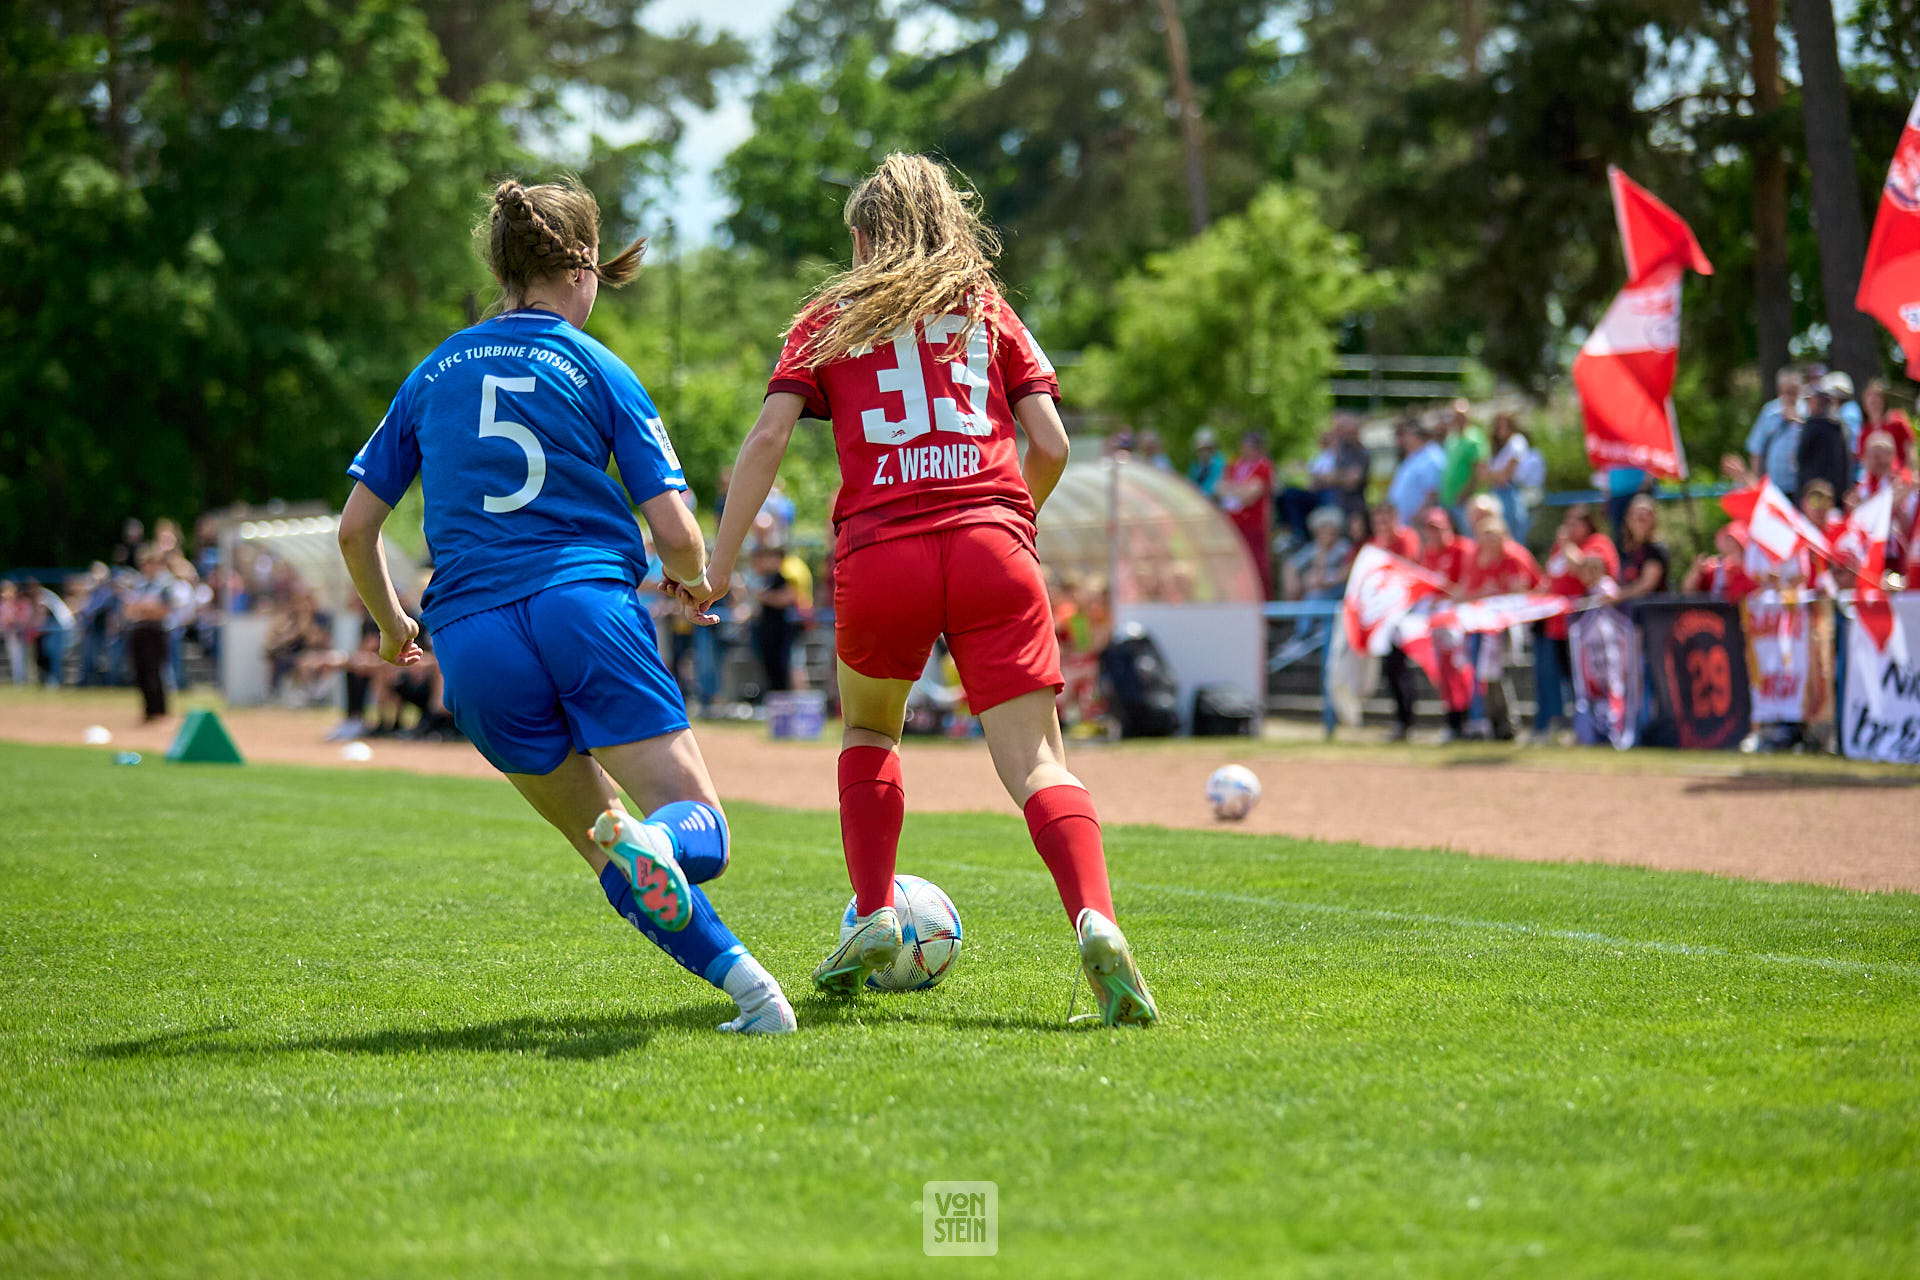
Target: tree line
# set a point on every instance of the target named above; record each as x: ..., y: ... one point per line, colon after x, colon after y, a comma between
x: 230, y: 230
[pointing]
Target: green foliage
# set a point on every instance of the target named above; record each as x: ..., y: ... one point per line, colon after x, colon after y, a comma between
x: 1235, y: 328
x: 283, y: 1021
x: 703, y: 332
x: 231, y: 232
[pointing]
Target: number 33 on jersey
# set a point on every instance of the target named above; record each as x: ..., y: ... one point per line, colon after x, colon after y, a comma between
x: 925, y: 434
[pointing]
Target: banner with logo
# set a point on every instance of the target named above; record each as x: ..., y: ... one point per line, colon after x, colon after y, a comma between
x: 1697, y: 663
x: 1606, y: 678
x: 1789, y: 643
x: 1881, y: 718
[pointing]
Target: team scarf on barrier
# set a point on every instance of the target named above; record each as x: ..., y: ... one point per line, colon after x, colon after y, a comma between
x: 1890, y: 279
x: 1624, y: 372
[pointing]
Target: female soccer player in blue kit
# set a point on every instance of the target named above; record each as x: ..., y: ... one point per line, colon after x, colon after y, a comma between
x: 549, y: 658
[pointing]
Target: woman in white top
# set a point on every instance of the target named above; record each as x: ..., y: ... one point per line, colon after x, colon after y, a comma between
x: 1513, y: 475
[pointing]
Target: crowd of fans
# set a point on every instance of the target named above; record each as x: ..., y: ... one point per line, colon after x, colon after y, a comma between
x: 127, y: 620
x: 1458, y: 500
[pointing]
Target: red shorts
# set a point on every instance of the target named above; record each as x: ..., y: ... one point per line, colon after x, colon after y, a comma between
x: 979, y: 586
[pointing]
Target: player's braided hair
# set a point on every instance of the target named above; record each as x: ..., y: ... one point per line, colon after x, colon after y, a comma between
x: 536, y: 233
x: 929, y: 254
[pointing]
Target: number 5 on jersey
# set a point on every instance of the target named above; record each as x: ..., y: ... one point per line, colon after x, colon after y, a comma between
x: 493, y: 425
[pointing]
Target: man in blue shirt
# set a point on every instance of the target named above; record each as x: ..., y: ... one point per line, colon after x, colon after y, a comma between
x: 1416, y: 481
x: 1773, y: 445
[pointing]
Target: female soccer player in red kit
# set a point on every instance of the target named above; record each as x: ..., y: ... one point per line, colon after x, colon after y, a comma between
x: 924, y: 371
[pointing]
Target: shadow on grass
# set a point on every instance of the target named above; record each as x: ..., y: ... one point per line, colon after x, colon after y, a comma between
x: 878, y: 1008
x: 582, y: 1038
x: 1782, y: 780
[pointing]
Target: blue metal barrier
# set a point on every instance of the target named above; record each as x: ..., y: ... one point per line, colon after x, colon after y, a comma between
x: 1594, y: 497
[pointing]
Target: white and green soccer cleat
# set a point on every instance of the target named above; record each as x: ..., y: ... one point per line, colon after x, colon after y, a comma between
x: 872, y: 943
x: 644, y: 850
x: 1110, y: 969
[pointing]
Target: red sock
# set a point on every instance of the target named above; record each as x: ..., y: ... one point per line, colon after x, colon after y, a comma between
x: 1066, y: 831
x: 872, y: 807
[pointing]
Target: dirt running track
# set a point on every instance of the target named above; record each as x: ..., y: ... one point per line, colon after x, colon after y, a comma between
x: 1805, y: 821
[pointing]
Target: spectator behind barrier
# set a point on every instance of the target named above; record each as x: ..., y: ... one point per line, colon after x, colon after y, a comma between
x: 1875, y: 416
x: 1645, y: 562
x: 1724, y: 575
x: 1207, y: 466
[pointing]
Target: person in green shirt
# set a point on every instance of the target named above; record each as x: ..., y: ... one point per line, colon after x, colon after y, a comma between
x: 1466, y: 449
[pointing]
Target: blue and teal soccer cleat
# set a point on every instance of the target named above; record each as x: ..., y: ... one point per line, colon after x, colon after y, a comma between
x: 644, y: 851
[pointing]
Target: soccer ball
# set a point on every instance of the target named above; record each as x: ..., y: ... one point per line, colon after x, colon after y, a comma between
x: 929, y: 936
x: 1232, y: 791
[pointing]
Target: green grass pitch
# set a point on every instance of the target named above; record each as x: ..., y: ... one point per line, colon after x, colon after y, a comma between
x: 279, y: 1021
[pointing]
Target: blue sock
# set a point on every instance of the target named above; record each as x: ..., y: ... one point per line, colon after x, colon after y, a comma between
x: 700, y: 839
x: 706, y: 948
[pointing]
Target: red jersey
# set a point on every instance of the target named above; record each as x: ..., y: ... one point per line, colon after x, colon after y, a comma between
x: 1514, y: 570
x: 1448, y: 559
x: 925, y: 443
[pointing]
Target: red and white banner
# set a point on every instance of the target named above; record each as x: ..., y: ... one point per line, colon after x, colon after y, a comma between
x: 1624, y: 372
x: 1881, y: 718
x: 1890, y: 280
x: 1789, y: 686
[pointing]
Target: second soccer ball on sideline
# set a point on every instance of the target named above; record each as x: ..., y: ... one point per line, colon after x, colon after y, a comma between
x: 1232, y: 791
x: 929, y: 936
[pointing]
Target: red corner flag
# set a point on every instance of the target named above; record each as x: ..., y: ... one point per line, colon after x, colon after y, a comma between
x: 1890, y: 280
x: 1624, y: 372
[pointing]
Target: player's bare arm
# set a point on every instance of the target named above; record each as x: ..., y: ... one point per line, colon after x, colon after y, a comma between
x: 359, y: 535
x: 1047, y: 446
x: 761, y: 454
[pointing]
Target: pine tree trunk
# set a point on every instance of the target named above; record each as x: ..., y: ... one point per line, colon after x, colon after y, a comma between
x: 1190, y: 133
x: 1836, y: 189
x: 1773, y: 304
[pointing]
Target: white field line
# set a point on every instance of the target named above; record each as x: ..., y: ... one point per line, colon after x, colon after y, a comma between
x: 1691, y: 950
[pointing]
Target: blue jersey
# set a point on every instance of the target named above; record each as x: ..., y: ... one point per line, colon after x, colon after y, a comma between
x: 509, y: 426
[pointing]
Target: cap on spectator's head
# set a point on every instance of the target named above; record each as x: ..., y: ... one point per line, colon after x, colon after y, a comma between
x: 1325, y: 518
x: 1837, y: 384
x: 1204, y: 438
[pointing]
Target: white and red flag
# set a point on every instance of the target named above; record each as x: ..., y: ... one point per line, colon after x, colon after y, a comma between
x: 1890, y: 280
x: 1386, y: 606
x: 1382, y: 589
x: 1774, y: 524
x: 1863, y: 544
x: 1624, y: 372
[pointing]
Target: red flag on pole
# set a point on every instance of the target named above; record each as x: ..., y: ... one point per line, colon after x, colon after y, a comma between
x: 1624, y: 372
x: 1890, y: 280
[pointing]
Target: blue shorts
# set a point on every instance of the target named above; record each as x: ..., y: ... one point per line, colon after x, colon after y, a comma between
x: 567, y: 669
